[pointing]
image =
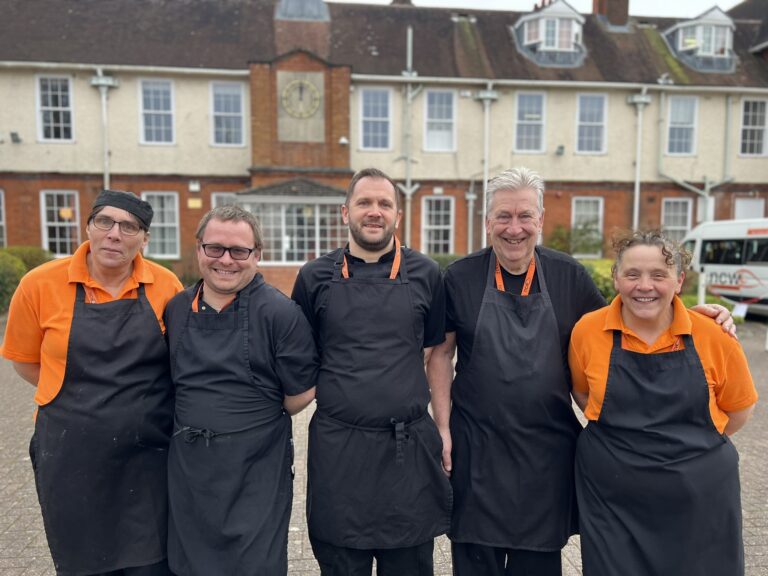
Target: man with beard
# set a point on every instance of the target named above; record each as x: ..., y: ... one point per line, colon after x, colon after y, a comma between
x: 376, y: 488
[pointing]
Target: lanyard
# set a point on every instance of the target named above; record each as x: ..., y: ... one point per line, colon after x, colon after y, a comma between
x: 395, y: 263
x: 528, y: 277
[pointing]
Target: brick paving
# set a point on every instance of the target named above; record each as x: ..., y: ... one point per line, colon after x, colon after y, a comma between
x: 23, y: 549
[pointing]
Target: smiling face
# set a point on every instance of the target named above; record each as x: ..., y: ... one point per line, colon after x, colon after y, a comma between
x: 514, y: 224
x: 371, y: 215
x: 224, y: 277
x: 647, y: 284
x: 112, y: 249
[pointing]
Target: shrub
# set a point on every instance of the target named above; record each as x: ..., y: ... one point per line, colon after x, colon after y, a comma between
x: 31, y: 256
x: 600, y: 271
x: 445, y: 260
x: 11, y: 271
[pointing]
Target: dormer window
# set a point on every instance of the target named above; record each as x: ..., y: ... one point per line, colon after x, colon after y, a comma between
x: 559, y: 33
x: 704, y: 43
x: 551, y: 36
x: 705, y: 40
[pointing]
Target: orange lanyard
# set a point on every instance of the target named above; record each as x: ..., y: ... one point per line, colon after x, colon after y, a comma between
x: 197, y: 298
x: 528, y: 277
x: 395, y: 263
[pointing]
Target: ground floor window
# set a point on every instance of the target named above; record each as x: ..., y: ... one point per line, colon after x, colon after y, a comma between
x: 297, y: 232
x: 164, y: 239
x: 60, y: 221
x: 676, y: 217
x: 437, y: 224
x: 587, y: 227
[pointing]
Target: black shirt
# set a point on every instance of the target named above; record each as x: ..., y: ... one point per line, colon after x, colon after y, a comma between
x: 571, y: 289
x: 313, y: 284
x: 282, y: 354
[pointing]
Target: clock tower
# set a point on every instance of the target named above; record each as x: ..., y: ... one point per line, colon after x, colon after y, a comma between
x: 300, y: 102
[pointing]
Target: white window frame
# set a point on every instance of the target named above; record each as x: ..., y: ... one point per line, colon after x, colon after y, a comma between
x: 3, y: 220
x: 156, y: 225
x: 362, y: 119
x: 689, y: 215
x: 142, y: 111
x: 217, y: 196
x: 426, y: 228
x: 698, y: 35
x: 44, y: 221
x: 542, y: 122
x: 695, y: 126
x: 764, y: 129
x: 39, y: 108
x: 600, y: 223
x: 334, y: 204
x: 604, y: 124
x: 529, y: 37
x: 453, y: 120
x: 575, y: 35
x: 212, y: 91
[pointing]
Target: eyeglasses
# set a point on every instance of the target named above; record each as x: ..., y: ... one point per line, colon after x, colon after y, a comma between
x: 236, y: 252
x: 106, y: 223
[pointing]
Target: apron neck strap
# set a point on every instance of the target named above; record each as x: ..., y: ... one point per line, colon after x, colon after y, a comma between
x: 395, y: 263
x: 528, y: 277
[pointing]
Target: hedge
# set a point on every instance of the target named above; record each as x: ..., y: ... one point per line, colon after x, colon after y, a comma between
x: 11, y: 271
x: 31, y: 256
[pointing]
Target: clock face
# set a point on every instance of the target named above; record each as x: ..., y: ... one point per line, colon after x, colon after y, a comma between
x: 301, y: 98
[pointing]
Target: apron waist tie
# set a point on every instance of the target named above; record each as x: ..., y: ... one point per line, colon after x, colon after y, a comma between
x: 401, y: 437
x: 191, y: 434
x: 400, y: 428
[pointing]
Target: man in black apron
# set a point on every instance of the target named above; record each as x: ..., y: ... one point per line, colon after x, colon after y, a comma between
x: 242, y: 360
x: 375, y: 484
x: 509, y: 431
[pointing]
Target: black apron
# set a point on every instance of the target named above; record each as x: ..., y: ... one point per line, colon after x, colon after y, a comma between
x: 658, y: 485
x: 231, y: 457
x: 513, y: 429
x: 374, y: 473
x: 100, y: 447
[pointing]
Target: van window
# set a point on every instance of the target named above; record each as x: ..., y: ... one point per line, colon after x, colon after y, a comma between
x: 757, y: 251
x: 722, y: 252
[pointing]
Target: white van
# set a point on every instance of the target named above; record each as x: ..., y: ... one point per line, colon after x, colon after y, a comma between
x: 732, y: 256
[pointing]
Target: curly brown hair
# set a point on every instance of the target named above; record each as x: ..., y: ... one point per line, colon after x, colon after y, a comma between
x: 674, y: 254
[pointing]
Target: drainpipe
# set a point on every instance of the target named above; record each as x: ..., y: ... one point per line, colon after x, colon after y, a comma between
x: 487, y: 97
x: 104, y: 83
x: 640, y: 101
x: 409, y: 188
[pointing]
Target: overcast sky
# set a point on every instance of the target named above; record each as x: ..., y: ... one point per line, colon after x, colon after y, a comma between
x: 672, y: 8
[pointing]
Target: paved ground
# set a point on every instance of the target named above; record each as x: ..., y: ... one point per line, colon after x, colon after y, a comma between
x: 23, y: 549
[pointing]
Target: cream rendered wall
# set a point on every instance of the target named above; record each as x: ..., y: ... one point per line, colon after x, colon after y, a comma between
x: 617, y: 164
x: 192, y: 152
x: 18, y: 113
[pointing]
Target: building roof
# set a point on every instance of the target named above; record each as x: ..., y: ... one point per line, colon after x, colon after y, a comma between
x: 749, y: 10
x: 295, y: 187
x: 371, y: 39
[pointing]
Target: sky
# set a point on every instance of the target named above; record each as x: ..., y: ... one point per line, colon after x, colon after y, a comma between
x: 667, y: 8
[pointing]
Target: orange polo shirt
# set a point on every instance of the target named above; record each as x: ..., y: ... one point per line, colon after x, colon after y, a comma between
x: 41, y: 310
x: 730, y: 383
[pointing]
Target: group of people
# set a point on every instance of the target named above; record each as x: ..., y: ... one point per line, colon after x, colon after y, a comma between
x: 163, y: 421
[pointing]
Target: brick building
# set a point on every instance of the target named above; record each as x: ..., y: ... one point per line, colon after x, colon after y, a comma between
x: 274, y: 104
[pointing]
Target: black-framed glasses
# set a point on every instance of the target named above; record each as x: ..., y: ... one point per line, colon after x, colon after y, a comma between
x: 127, y: 227
x: 236, y: 252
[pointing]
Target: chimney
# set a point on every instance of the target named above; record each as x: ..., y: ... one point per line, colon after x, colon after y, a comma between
x: 401, y: 3
x: 616, y: 12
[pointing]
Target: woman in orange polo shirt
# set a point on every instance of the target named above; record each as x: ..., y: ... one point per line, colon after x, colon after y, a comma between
x: 87, y: 332
x: 663, y: 387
